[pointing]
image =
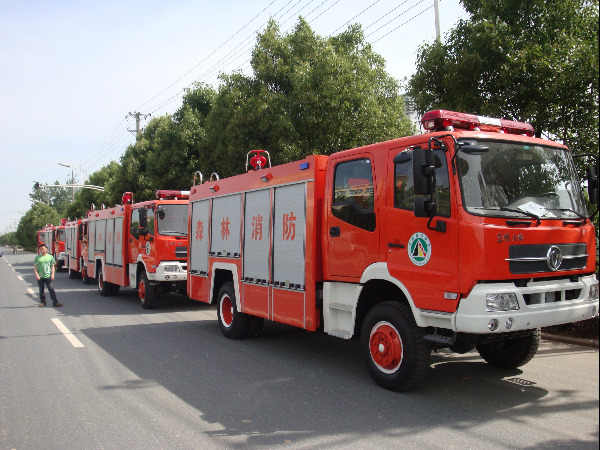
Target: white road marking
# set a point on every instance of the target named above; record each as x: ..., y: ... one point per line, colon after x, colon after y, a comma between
x: 20, y: 277
x: 31, y: 291
x: 64, y: 330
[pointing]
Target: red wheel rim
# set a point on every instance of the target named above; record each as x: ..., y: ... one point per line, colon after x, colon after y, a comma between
x: 226, y: 310
x: 385, y: 345
x: 141, y: 290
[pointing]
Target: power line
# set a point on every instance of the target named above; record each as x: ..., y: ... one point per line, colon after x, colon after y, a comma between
x: 291, y: 8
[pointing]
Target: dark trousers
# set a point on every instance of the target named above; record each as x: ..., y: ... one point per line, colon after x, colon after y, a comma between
x: 48, y: 283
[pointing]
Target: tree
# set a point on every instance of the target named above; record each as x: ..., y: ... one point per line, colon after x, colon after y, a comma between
x: 9, y: 238
x: 34, y: 220
x: 169, y: 150
x: 534, y: 61
x: 53, y: 195
x: 307, y: 95
x: 85, y: 198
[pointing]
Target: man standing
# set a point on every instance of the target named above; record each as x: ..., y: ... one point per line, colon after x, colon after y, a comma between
x: 43, y: 266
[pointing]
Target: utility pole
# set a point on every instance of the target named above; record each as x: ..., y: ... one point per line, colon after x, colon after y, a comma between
x: 138, y: 117
x: 436, y: 8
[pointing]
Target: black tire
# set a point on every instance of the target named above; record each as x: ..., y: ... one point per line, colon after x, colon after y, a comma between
x: 104, y: 287
x: 85, y: 278
x: 73, y: 274
x: 255, y: 326
x: 233, y: 323
x: 147, y: 293
x: 511, y: 353
x: 83, y: 274
x: 393, y: 347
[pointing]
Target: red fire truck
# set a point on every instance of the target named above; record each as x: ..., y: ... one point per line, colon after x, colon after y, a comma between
x: 471, y: 236
x: 54, y: 238
x: 141, y: 245
x: 74, y: 242
x: 45, y: 235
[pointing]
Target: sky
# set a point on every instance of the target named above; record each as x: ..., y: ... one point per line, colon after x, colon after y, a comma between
x: 71, y: 71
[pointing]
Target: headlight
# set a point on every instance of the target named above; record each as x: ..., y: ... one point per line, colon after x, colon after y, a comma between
x: 171, y: 268
x: 593, y: 292
x: 501, y: 302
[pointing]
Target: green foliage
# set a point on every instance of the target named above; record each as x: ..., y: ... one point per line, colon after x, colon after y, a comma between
x: 534, y: 61
x: 54, y: 196
x: 169, y: 151
x: 84, y: 198
x: 307, y: 95
x: 35, y: 219
x: 8, y: 238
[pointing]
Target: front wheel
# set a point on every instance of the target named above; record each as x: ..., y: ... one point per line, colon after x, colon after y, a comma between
x: 393, y: 347
x: 233, y: 323
x: 147, y: 292
x: 511, y: 353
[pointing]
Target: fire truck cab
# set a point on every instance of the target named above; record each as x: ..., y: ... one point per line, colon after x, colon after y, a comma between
x: 141, y: 246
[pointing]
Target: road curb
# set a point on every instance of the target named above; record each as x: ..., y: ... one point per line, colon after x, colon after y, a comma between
x: 570, y: 340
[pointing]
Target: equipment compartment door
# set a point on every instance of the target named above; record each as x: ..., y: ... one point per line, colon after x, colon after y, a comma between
x: 256, y: 254
x: 199, y: 234
x: 226, y: 226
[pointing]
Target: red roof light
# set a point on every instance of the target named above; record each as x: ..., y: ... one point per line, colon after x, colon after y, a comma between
x: 172, y: 194
x: 441, y: 120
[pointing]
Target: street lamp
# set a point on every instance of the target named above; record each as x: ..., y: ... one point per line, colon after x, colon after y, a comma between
x: 72, y: 176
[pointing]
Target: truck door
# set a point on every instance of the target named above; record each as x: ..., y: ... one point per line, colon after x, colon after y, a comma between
x: 134, y: 235
x: 424, y: 260
x: 352, y: 232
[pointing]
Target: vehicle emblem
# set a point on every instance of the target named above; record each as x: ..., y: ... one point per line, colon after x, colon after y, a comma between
x: 554, y: 258
x: 419, y: 249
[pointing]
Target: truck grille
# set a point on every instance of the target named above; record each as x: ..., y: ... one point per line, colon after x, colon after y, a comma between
x: 546, y: 258
x: 181, y: 252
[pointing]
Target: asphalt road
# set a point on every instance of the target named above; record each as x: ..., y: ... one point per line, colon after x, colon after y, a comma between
x: 116, y: 376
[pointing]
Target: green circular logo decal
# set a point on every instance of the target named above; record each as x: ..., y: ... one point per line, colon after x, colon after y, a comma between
x: 419, y: 249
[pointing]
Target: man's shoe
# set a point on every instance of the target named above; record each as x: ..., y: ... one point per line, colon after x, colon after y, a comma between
x: 57, y: 305
x: 42, y: 304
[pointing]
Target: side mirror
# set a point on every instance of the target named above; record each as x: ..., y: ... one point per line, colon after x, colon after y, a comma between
x: 592, y: 178
x: 423, y: 171
x: 143, y: 221
x: 160, y: 212
x: 424, y: 207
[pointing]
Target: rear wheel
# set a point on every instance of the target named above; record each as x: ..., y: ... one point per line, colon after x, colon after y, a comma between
x: 104, y: 287
x: 147, y: 292
x: 255, y: 325
x: 233, y: 323
x: 393, y: 347
x: 84, y: 276
x: 511, y: 353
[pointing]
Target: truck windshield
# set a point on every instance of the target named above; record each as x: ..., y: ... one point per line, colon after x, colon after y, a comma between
x: 172, y: 220
x: 520, y: 180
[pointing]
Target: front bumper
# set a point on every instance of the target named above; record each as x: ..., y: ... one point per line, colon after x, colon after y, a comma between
x: 541, y: 304
x: 169, y: 271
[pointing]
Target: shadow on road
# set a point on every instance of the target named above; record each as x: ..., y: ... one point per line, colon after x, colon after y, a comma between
x: 313, y: 386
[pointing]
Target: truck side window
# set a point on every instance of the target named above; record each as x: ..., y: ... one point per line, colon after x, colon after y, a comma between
x: 404, y: 197
x: 135, y: 223
x: 150, y: 226
x: 353, y: 195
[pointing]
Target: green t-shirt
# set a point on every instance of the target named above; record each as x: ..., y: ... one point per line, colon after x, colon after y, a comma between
x: 44, y: 265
